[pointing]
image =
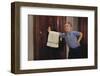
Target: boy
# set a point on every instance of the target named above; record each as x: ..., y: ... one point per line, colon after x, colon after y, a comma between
x: 72, y: 39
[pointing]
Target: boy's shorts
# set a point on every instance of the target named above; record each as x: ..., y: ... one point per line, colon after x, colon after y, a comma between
x: 75, y: 53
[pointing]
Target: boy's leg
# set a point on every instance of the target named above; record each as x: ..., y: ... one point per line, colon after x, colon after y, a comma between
x: 78, y: 52
x: 70, y: 53
x: 75, y: 53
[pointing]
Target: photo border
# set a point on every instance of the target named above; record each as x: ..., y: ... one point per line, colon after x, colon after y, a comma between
x: 15, y: 36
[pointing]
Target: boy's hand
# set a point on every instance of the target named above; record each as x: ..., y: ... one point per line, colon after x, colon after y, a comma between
x: 49, y: 28
x: 78, y: 42
x: 80, y: 37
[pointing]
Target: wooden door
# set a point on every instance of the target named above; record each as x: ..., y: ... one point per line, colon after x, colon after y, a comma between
x: 41, y: 34
x: 83, y: 27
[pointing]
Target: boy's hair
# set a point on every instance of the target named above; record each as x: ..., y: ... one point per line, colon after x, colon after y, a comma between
x: 68, y: 23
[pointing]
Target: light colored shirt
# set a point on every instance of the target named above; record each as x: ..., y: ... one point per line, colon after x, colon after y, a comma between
x: 71, y: 38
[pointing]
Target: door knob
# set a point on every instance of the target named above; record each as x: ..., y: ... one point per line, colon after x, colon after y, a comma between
x: 40, y: 32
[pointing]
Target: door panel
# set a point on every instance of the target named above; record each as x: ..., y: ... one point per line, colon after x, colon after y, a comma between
x: 41, y: 24
x: 83, y: 27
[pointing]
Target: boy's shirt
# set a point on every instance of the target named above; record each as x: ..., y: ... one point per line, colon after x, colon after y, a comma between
x: 71, y: 38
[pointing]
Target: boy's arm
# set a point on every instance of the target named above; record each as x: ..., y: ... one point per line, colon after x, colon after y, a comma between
x: 80, y: 37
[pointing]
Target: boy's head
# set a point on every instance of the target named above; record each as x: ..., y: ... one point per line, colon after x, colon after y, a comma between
x: 67, y: 27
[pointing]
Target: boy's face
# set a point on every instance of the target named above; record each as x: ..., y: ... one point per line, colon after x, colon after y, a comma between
x: 67, y: 27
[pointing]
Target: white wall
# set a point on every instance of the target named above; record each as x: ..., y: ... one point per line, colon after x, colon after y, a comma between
x: 5, y: 42
x: 30, y: 38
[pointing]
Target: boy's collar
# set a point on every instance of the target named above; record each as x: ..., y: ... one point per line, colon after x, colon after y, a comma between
x: 68, y: 32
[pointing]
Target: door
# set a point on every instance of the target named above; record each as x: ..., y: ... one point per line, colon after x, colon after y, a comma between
x: 41, y: 24
x: 83, y: 27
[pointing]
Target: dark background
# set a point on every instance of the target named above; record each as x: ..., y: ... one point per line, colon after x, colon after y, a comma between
x: 40, y: 34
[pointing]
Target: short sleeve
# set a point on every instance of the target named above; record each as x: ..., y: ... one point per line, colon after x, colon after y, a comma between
x: 76, y: 33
